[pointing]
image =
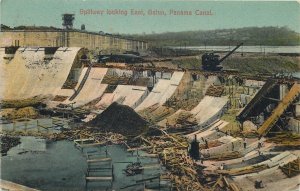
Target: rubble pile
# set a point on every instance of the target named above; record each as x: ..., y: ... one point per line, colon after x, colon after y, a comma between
x: 88, y: 132
x: 8, y: 142
x: 183, y: 171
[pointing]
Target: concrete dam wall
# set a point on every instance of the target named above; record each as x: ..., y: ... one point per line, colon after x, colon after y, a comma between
x: 70, y: 38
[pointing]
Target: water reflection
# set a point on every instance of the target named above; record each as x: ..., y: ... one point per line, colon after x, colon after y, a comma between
x: 59, y: 165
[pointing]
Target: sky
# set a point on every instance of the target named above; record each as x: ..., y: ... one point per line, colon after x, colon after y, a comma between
x: 225, y: 14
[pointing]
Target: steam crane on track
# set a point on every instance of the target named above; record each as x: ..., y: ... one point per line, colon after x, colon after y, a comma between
x: 211, y: 61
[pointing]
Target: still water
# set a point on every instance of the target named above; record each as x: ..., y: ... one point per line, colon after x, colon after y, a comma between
x: 253, y: 49
x: 59, y: 165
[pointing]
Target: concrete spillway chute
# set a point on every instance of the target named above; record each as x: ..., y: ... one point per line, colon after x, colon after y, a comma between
x: 28, y: 74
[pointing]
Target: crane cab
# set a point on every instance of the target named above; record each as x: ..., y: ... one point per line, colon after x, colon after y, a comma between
x: 210, y: 62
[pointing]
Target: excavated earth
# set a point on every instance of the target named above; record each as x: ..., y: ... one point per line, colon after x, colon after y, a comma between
x: 120, y: 119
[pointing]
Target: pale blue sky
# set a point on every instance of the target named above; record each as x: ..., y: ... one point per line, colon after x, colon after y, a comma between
x: 227, y: 14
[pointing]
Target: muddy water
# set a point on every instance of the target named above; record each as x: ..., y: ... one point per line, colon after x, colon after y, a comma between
x: 61, y: 166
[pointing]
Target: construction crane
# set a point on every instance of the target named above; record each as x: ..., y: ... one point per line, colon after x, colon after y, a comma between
x: 211, y: 62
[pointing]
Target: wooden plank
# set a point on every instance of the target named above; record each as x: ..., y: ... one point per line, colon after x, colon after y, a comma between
x: 99, y: 169
x: 90, y: 145
x: 140, y: 148
x: 146, y: 155
x: 98, y: 160
x: 233, y: 187
x: 84, y: 140
x: 174, y: 139
x: 99, y: 178
x: 44, y: 127
x: 128, y: 147
x: 226, y: 181
x: 217, y: 182
x: 147, y: 179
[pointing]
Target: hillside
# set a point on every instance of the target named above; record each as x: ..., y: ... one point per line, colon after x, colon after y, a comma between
x: 272, y: 36
x: 251, y: 64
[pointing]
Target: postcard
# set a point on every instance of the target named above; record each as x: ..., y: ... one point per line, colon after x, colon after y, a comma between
x: 140, y: 95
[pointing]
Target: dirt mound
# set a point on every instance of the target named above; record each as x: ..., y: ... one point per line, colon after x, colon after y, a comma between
x: 120, y: 119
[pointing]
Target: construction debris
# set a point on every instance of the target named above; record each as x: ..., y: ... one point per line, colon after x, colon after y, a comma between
x: 133, y: 169
x: 26, y: 112
x: 115, y: 80
x: 8, y: 142
x: 89, y: 133
x: 292, y: 168
x: 172, y: 151
x: 285, y: 139
x: 216, y: 91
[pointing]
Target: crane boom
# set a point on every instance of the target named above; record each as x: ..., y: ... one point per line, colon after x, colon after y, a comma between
x: 229, y: 53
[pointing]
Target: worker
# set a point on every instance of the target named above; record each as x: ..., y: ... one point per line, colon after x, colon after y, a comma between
x: 245, y: 142
x: 167, y: 124
x: 106, y: 151
x: 222, y: 166
x: 260, y: 143
x: 259, y: 152
x: 202, y: 139
x: 206, y: 144
x: 207, y: 153
x: 258, y: 184
x: 201, y: 158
